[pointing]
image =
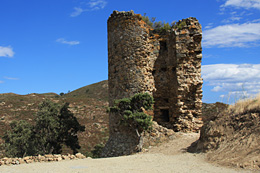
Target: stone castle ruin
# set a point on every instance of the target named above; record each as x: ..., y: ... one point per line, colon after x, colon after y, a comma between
x: 165, y: 65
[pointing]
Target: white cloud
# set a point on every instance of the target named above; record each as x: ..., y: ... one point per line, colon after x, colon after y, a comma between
x: 77, y: 12
x: 92, y: 5
x: 231, y: 19
x: 232, y: 77
x: 1, y: 81
x: 63, y: 41
x: 209, y: 25
x: 11, y: 78
x: 256, y: 20
x: 6, y: 51
x: 242, y: 4
x: 97, y: 4
x: 232, y: 35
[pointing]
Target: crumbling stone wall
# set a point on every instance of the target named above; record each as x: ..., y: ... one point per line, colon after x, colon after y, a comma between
x: 168, y: 66
x: 184, y: 76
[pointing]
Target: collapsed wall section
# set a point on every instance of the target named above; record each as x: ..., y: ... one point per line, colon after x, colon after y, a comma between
x: 184, y: 74
x: 177, y: 77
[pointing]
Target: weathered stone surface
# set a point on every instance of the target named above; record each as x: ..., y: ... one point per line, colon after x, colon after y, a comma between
x: 158, y: 134
x: 41, y: 158
x: 21, y: 161
x: 72, y: 157
x: 28, y: 161
x: 168, y: 66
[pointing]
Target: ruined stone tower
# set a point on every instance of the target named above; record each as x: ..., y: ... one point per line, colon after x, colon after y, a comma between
x: 167, y: 66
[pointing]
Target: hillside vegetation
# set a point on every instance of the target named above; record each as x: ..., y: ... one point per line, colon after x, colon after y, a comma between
x: 88, y: 104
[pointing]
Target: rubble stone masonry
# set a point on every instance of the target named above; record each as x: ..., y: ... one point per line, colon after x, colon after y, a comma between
x: 166, y: 65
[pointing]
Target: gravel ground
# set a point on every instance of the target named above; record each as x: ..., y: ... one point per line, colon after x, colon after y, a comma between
x: 168, y: 157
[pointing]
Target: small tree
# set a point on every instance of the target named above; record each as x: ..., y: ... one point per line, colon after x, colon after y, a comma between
x: 56, y: 125
x: 132, y: 115
x: 19, y: 140
x: 141, y: 100
x: 131, y: 111
x: 69, y: 127
x: 47, y: 128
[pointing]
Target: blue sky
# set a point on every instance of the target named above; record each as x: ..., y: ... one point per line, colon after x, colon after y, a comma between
x: 61, y: 45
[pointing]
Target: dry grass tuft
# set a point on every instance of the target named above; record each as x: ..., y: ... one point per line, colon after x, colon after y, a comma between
x: 246, y: 105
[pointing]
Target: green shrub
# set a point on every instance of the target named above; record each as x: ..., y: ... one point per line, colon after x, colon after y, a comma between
x: 147, y: 20
x: 180, y: 25
x: 18, y: 141
x: 139, y: 120
x: 159, y: 27
x: 96, y: 152
x: 123, y: 104
x: 130, y: 110
x: 141, y: 100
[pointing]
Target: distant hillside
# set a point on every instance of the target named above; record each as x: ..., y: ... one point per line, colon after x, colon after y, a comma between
x: 88, y: 104
x: 97, y: 90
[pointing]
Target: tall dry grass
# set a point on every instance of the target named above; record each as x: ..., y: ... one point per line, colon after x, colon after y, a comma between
x: 245, y: 105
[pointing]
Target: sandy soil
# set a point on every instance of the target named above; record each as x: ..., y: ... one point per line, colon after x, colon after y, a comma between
x: 168, y: 157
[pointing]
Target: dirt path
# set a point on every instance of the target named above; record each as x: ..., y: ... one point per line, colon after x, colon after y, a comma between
x: 168, y: 157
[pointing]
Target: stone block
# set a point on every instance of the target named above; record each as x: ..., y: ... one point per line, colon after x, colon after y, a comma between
x: 80, y: 156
